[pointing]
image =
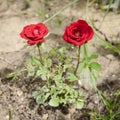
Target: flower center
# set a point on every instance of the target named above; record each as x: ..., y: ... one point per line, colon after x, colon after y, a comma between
x: 36, y: 32
x: 77, y: 33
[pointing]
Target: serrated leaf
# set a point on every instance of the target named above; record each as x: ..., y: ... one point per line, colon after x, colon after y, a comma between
x: 35, y: 94
x: 54, y: 102
x: 47, y: 95
x: 79, y: 105
x: 45, y: 89
x: 72, y: 77
x: 40, y: 99
x: 53, y: 90
x: 96, y: 66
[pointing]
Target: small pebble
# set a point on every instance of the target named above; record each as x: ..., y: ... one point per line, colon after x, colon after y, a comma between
x: 96, y: 102
x: 47, y: 16
x: 19, y: 93
x: 113, y: 75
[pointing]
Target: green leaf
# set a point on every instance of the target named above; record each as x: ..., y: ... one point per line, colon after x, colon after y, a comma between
x: 53, y: 51
x: 108, y: 45
x: 48, y: 63
x: 41, y: 72
x: 38, y: 73
x: 72, y: 77
x: 117, y: 93
x: 40, y: 99
x: 93, y: 56
x: 54, y: 102
x: 62, y: 49
x: 47, y: 95
x: 57, y: 77
x: 106, y: 101
x: 35, y: 61
x: 36, y: 94
x: 79, y: 105
x: 13, y: 74
x: 96, y: 66
x: 65, y: 67
x: 53, y: 90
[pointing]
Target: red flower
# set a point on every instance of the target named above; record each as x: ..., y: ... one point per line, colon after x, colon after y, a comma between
x: 34, y: 33
x: 78, y: 33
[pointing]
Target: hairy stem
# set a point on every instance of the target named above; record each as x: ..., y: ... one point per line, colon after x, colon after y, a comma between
x: 78, y: 61
x: 40, y: 55
x: 61, y: 10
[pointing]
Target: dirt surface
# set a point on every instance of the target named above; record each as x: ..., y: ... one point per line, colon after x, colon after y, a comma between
x: 16, y: 95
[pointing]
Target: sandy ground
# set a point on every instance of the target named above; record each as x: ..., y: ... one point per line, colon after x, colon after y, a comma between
x: 13, y: 50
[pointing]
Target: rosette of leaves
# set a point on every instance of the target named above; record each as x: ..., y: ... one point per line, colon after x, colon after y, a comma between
x: 58, y: 83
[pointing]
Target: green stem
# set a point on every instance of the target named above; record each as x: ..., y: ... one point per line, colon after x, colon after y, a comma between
x: 86, y: 10
x: 78, y: 61
x: 48, y: 82
x: 40, y: 55
x: 10, y: 115
x: 85, y: 51
x: 106, y: 13
x: 61, y: 10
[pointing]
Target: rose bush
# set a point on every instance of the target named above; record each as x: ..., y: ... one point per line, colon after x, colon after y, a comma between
x: 34, y: 33
x: 78, y: 33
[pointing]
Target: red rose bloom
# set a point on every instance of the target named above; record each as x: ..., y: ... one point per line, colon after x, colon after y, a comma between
x: 34, y: 33
x: 78, y: 33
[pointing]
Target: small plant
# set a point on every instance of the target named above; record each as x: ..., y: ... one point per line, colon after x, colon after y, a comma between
x: 112, y: 106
